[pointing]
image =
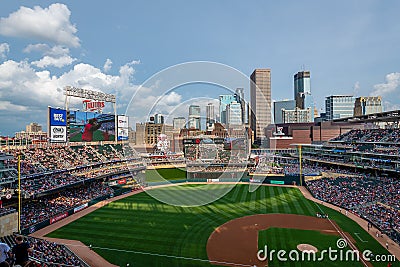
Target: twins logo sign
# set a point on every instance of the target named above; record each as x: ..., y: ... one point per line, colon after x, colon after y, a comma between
x: 91, y: 105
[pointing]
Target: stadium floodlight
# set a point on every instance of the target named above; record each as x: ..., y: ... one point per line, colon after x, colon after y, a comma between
x: 89, y: 94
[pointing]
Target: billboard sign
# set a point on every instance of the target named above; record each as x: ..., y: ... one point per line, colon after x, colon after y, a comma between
x: 58, y: 133
x: 123, y: 130
x: 58, y: 117
x: 123, y: 121
x: 93, y: 105
x: 123, y: 134
x: 57, y: 125
x: 91, y: 127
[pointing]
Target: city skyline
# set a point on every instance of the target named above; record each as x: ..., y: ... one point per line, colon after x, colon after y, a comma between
x: 349, y: 49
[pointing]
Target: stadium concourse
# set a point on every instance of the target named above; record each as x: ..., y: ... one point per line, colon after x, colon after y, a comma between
x: 356, y: 172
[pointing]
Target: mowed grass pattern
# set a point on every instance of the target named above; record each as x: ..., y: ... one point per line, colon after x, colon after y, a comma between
x: 142, y: 231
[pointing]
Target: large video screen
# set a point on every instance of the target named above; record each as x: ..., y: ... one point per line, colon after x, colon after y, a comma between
x: 91, y: 127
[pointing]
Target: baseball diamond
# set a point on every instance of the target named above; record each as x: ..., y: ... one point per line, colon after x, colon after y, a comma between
x: 140, y: 231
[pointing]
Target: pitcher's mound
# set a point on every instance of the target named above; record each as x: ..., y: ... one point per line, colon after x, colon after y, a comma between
x: 308, y: 247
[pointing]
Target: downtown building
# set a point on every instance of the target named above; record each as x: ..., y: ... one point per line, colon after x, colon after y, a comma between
x: 365, y: 105
x: 179, y: 123
x: 339, y: 106
x: 194, y: 117
x: 224, y: 101
x: 210, y: 116
x: 302, y: 93
x: 260, y: 103
x: 279, y: 106
x: 234, y: 115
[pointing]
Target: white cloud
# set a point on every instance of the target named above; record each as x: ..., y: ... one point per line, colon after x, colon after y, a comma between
x: 36, y: 47
x: 171, y: 98
x: 4, y: 49
x: 134, y: 62
x: 23, y: 86
x: 6, y: 105
x: 391, y: 84
x: 107, y: 65
x: 57, y: 56
x: 58, y: 62
x: 47, y: 24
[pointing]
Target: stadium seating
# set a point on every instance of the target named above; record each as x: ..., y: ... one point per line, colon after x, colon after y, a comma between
x: 376, y: 199
x: 48, y: 254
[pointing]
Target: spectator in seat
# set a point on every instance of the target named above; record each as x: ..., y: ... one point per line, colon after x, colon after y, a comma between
x: 21, y: 252
x: 4, y: 254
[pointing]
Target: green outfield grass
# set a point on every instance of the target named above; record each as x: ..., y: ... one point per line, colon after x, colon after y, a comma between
x: 159, y: 175
x: 141, y: 231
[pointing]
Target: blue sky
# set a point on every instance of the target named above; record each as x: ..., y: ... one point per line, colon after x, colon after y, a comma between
x: 350, y: 47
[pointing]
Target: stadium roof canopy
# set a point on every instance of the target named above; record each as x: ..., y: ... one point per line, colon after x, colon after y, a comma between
x: 388, y: 116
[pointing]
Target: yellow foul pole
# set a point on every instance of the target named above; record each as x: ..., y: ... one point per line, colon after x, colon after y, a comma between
x: 301, y: 180
x: 19, y: 193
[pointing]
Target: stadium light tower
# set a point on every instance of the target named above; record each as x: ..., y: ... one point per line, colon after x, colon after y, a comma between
x: 71, y: 91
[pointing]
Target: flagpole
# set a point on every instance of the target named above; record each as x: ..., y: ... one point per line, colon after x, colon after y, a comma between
x: 19, y: 193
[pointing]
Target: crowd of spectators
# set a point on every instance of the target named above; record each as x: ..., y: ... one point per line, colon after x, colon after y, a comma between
x: 46, y: 253
x: 38, y: 210
x: 51, y: 254
x: 50, y: 158
x: 45, y: 169
x: 376, y: 199
x: 370, y: 136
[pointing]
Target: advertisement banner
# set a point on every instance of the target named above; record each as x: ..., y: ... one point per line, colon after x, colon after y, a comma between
x: 123, y: 121
x: 122, y: 181
x: 81, y: 207
x: 123, y: 134
x: 58, y: 134
x: 123, y: 124
x: 58, y: 117
x: 58, y: 217
x: 57, y: 125
x: 90, y: 126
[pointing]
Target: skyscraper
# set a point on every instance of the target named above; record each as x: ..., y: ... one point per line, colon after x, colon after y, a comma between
x: 158, y: 119
x: 224, y: 100
x: 194, y: 117
x: 260, y: 99
x: 234, y: 114
x: 210, y: 116
x: 240, y: 99
x: 302, y: 92
x: 302, y: 83
x: 339, y: 106
x: 210, y: 113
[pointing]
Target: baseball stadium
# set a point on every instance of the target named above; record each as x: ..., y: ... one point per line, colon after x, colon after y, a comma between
x: 213, y: 201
